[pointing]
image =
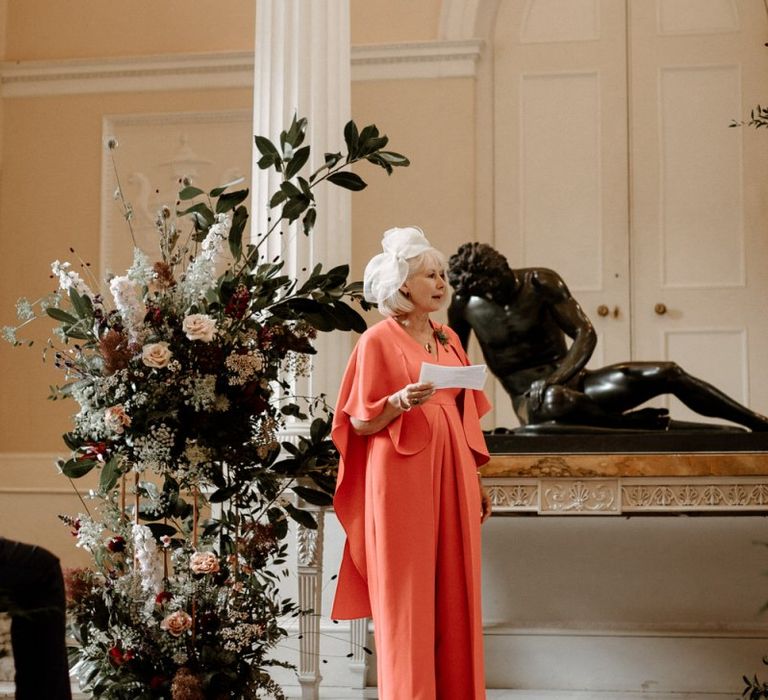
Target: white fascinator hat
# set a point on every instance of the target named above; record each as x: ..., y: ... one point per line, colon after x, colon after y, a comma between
x: 387, y: 271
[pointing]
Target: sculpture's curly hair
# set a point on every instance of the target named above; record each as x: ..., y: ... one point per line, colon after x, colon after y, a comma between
x: 477, y: 269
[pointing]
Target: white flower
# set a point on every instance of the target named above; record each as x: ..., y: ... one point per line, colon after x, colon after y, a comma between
x: 141, y: 269
x: 127, y: 295
x: 149, y: 559
x: 156, y: 355
x: 24, y: 310
x: 88, y: 533
x: 69, y: 279
x: 200, y: 275
x: 116, y: 419
x: 199, y: 327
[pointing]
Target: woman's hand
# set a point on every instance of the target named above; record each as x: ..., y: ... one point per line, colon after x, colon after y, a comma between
x: 414, y: 394
x: 485, y: 502
x: 399, y: 402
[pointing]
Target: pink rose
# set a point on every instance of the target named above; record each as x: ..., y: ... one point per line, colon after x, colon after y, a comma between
x: 199, y: 327
x: 204, y: 563
x: 156, y: 355
x: 176, y: 623
x: 116, y: 419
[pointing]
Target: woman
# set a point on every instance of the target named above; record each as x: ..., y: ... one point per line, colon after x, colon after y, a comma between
x: 408, y: 494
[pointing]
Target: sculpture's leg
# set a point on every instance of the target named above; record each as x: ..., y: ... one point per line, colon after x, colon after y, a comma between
x: 624, y: 386
x: 309, y: 553
x: 358, y: 643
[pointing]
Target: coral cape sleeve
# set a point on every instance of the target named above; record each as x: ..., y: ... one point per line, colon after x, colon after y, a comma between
x: 377, y: 369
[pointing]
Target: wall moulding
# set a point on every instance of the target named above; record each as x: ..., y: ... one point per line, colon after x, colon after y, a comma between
x: 433, y: 59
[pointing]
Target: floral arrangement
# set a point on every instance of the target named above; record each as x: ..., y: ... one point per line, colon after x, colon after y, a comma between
x: 183, y: 369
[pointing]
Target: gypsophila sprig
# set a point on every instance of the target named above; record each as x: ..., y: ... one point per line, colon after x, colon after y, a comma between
x: 182, y: 369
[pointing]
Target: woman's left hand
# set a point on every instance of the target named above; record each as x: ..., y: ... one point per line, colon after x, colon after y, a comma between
x: 485, y: 503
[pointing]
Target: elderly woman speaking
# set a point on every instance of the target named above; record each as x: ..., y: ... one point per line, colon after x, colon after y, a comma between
x: 408, y: 494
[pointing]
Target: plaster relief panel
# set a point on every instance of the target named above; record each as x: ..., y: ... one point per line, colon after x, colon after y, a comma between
x: 154, y: 153
x: 714, y: 355
x: 701, y: 178
x: 561, y: 176
x: 697, y: 16
x: 560, y: 20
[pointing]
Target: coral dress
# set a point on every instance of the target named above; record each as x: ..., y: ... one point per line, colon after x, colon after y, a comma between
x: 409, y: 502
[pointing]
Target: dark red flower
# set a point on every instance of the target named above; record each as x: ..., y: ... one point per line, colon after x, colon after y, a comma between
x: 116, y: 544
x: 118, y: 657
x: 157, y: 682
x: 162, y: 598
x: 238, y: 302
x: 93, y: 450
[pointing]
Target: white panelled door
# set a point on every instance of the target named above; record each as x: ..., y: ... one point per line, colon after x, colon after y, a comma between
x: 699, y: 222
x: 613, y: 143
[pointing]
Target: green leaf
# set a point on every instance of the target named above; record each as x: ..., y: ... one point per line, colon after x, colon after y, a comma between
x: 295, y: 207
x: 266, y: 147
x: 277, y: 198
x: 290, y: 189
x: 218, y: 191
x: 230, y: 200
x: 302, y: 517
x: 309, y: 221
x: 110, y: 473
x: 189, y: 192
x: 202, y: 209
x: 295, y: 134
x: 331, y: 159
x: 353, y: 320
x: 320, y: 429
x: 372, y: 145
x: 352, y: 138
x: 61, y: 315
x: 73, y: 332
x: 75, y: 468
x: 313, y: 496
x: 347, y: 180
x: 222, y: 495
x: 296, y: 163
x: 239, y: 221
x: 81, y: 304
x: 159, y: 530
x: 266, y: 162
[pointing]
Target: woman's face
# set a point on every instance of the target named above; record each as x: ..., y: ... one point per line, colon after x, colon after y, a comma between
x: 427, y: 287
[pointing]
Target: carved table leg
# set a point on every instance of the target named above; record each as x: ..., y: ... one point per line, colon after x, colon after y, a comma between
x: 309, y: 553
x: 358, y: 639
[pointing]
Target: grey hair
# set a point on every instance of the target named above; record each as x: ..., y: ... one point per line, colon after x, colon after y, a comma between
x: 398, y: 304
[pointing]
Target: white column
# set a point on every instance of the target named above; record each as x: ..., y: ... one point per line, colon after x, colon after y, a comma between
x: 302, y: 66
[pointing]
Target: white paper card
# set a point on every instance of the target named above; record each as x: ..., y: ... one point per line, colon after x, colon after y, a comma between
x: 471, y: 377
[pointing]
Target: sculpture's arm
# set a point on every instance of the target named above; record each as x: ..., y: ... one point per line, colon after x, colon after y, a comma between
x: 457, y: 320
x: 572, y: 320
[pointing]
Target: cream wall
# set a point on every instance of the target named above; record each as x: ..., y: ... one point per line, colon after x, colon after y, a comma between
x: 51, y: 177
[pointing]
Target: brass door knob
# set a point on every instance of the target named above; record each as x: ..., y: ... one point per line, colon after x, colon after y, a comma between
x: 603, y: 310
x: 660, y: 309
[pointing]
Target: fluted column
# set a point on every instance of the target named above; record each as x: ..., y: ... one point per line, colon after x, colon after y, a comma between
x: 302, y: 66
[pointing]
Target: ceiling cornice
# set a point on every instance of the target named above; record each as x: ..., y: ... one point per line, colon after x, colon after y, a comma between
x: 434, y: 59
